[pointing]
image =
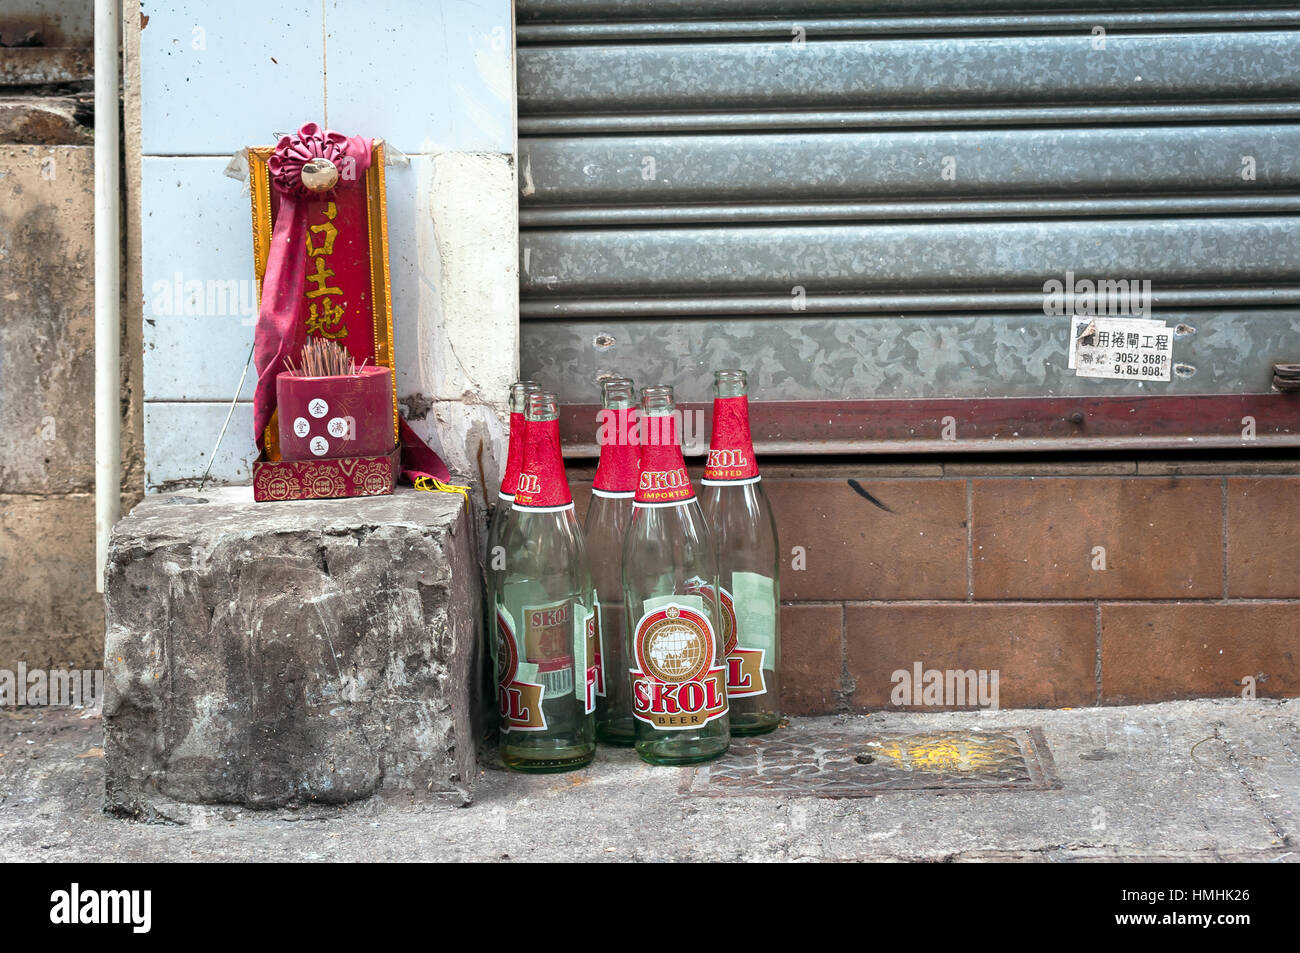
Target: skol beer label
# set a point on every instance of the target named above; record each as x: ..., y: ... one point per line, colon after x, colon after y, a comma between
x: 663, y: 479
x: 675, y: 685
x: 542, y: 484
x: 520, y: 701
x: 591, y: 681
x: 744, y: 665
x: 599, y: 622
x: 548, y: 644
x: 731, y: 449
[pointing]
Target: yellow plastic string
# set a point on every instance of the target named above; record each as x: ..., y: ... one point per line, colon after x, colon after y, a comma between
x: 433, y: 485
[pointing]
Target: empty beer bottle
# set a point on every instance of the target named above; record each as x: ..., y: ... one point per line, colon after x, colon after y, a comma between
x: 744, y: 530
x: 678, y: 677
x: 546, y: 632
x: 486, y: 689
x: 607, y: 521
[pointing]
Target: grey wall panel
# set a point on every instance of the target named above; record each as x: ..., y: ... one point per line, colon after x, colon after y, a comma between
x: 835, y: 74
x: 848, y: 357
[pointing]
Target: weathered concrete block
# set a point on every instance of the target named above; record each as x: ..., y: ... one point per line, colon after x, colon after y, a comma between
x: 280, y: 654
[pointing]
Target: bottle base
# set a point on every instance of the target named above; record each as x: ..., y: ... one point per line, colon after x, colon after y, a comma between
x: 673, y: 753
x: 618, y: 734
x: 748, y: 724
x: 552, y: 765
x: 535, y: 759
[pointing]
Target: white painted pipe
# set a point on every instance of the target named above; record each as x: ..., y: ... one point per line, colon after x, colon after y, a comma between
x: 108, y: 282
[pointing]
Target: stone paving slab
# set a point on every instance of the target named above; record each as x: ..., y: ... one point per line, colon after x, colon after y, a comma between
x: 1202, y: 780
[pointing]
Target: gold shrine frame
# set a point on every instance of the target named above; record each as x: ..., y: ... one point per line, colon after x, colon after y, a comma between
x: 381, y: 292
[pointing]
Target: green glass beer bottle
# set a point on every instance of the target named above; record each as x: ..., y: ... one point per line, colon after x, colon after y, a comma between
x: 607, y: 521
x: 545, y: 619
x: 486, y: 689
x: 670, y: 572
x: 743, y: 528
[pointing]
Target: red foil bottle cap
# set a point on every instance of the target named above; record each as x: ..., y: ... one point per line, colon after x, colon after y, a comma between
x: 620, y: 452
x: 542, y: 483
x: 731, y: 449
x: 519, y: 392
x: 663, y: 480
x: 514, y: 456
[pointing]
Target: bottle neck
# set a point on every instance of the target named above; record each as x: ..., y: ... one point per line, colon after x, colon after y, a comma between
x: 542, y: 407
x: 663, y: 480
x: 618, y: 393
x: 519, y: 392
x: 542, y: 484
x: 731, y: 447
x: 514, y: 455
x: 656, y: 401
x: 727, y: 384
x: 620, y: 452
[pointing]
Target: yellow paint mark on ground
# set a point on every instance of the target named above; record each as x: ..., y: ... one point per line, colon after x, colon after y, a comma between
x: 946, y: 753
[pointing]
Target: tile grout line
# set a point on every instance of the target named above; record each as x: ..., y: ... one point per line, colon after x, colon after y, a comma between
x: 845, y: 691
x: 1252, y: 792
x: 1098, y: 669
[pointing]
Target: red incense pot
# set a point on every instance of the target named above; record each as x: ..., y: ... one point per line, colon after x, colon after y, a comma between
x: 347, y: 415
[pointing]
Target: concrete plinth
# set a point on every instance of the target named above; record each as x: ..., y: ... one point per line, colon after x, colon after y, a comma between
x: 281, y: 654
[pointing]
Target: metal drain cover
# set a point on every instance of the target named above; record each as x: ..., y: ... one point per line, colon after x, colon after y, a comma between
x: 829, y: 762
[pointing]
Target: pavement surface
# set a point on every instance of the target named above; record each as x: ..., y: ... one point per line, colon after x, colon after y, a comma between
x: 1214, y: 780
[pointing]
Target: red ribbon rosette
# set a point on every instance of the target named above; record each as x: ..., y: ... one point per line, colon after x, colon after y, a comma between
x: 350, y: 156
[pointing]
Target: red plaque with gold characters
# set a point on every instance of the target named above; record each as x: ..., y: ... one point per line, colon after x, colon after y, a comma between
x: 320, y: 253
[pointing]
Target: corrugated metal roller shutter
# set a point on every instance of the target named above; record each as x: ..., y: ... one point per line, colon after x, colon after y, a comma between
x: 763, y: 184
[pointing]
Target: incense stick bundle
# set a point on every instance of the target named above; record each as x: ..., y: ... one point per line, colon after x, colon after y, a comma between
x: 322, y: 358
